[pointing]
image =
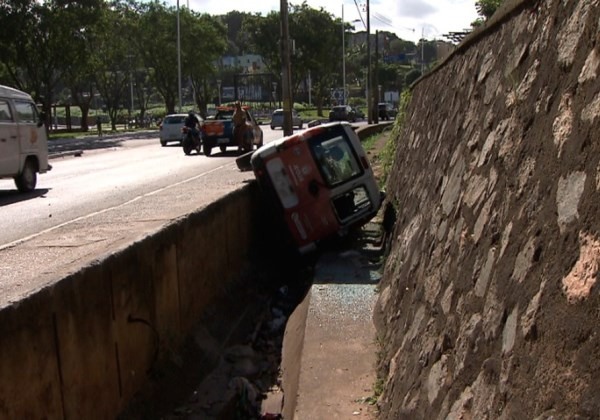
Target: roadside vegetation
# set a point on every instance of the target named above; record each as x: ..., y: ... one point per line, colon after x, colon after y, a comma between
x: 117, y: 60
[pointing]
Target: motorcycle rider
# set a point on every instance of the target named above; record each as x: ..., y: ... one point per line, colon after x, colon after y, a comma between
x: 193, y: 123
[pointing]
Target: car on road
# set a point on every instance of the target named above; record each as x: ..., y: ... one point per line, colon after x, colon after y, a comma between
x: 170, y: 128
x: 277, y: 119
x: 359, y: 113
x: 386, y: 111
x: 23, y: 139
x: 342, y: 113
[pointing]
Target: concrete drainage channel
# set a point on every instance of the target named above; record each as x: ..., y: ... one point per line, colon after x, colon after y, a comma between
x: 231, y: 360
x: 231, y: 366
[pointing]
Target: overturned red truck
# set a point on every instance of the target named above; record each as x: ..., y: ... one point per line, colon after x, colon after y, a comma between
x: 321, y: 182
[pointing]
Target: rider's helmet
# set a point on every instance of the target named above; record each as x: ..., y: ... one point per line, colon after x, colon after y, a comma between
x: 191, y: 112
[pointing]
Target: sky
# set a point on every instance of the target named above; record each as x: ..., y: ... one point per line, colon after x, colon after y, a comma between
x: 409, y: 19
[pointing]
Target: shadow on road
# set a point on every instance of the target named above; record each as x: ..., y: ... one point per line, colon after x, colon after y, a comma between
x: 94, y: 142
x: 83, y: 144
x: 8, y: 197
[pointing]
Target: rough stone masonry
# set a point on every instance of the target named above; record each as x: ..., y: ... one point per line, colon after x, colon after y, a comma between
x: 489, y: 306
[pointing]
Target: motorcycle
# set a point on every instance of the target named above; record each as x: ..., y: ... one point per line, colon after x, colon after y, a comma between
x: 191, y: 140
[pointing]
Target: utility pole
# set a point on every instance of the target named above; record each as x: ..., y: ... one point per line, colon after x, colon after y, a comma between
x: 286, y: 75
x: 369, y: 104
x: 422, y: 50
x: 179, y: 57
x: 376, y: 77
x: 343, y: 58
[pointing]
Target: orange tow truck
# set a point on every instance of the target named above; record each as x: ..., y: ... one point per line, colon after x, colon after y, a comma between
x: 218, y: 132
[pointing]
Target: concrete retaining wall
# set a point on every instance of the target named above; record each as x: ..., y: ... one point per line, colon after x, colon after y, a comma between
x: 82, y: 347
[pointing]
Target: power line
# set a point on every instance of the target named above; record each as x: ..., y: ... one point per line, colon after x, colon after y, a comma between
x: 381, y: 18
x: 360, y: 14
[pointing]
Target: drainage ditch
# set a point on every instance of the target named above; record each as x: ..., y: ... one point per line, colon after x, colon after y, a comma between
x: 231, y: 360
x: 230, y: 365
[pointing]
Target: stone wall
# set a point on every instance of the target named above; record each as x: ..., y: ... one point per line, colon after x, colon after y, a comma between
x: 489, y: 306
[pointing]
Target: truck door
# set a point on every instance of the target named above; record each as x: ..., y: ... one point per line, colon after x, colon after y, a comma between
x: 303, y: 192
x: 9, y: 140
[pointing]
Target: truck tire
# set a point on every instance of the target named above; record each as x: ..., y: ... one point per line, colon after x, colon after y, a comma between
x: 27, y: 179
x: 207, y: 149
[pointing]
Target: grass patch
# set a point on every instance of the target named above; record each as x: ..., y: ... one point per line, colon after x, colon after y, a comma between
x: 389, y: 151
x: 369, y: 142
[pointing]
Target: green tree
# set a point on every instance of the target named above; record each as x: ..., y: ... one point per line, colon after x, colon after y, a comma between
x: 156, y: 42
x: 316, y: 37
x: 318, y: 41
x: 204, y: 40
x: 38, y: 62
x: 486, y: 8
x: 264, y: 35
x: 238, y: 41
x: 112, y: 60
x: 80, y: 72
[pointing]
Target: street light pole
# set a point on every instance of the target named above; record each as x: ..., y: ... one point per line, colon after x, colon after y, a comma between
x: 131, y: 90
x: 179, y: 57
x: 343, y: 58
x: 219, y: 88
x: 369, y: 104
x: 286, y: 76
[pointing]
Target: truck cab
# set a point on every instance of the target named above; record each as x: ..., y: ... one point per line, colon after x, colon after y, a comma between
x: 23, y: 139
x: 219, y: 131
x: 321, y: 182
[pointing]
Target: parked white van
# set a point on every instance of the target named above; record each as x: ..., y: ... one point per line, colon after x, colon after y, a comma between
x: 23, y: 139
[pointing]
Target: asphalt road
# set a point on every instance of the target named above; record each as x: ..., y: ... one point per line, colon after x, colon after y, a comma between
x: 93, y: 175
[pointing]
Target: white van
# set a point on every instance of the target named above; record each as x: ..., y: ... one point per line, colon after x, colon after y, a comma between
x: 23, y: 139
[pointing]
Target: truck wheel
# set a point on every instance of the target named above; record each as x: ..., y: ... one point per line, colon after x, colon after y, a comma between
x: 206, y: 149
x: 27, y: 179
x: 163, y: 143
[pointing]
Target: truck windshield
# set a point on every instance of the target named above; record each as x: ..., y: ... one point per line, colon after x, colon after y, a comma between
x: 224, y: 115
x: 335, y: 159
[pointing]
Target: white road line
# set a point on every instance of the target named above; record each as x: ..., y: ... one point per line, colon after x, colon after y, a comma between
x: 27, y: 238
